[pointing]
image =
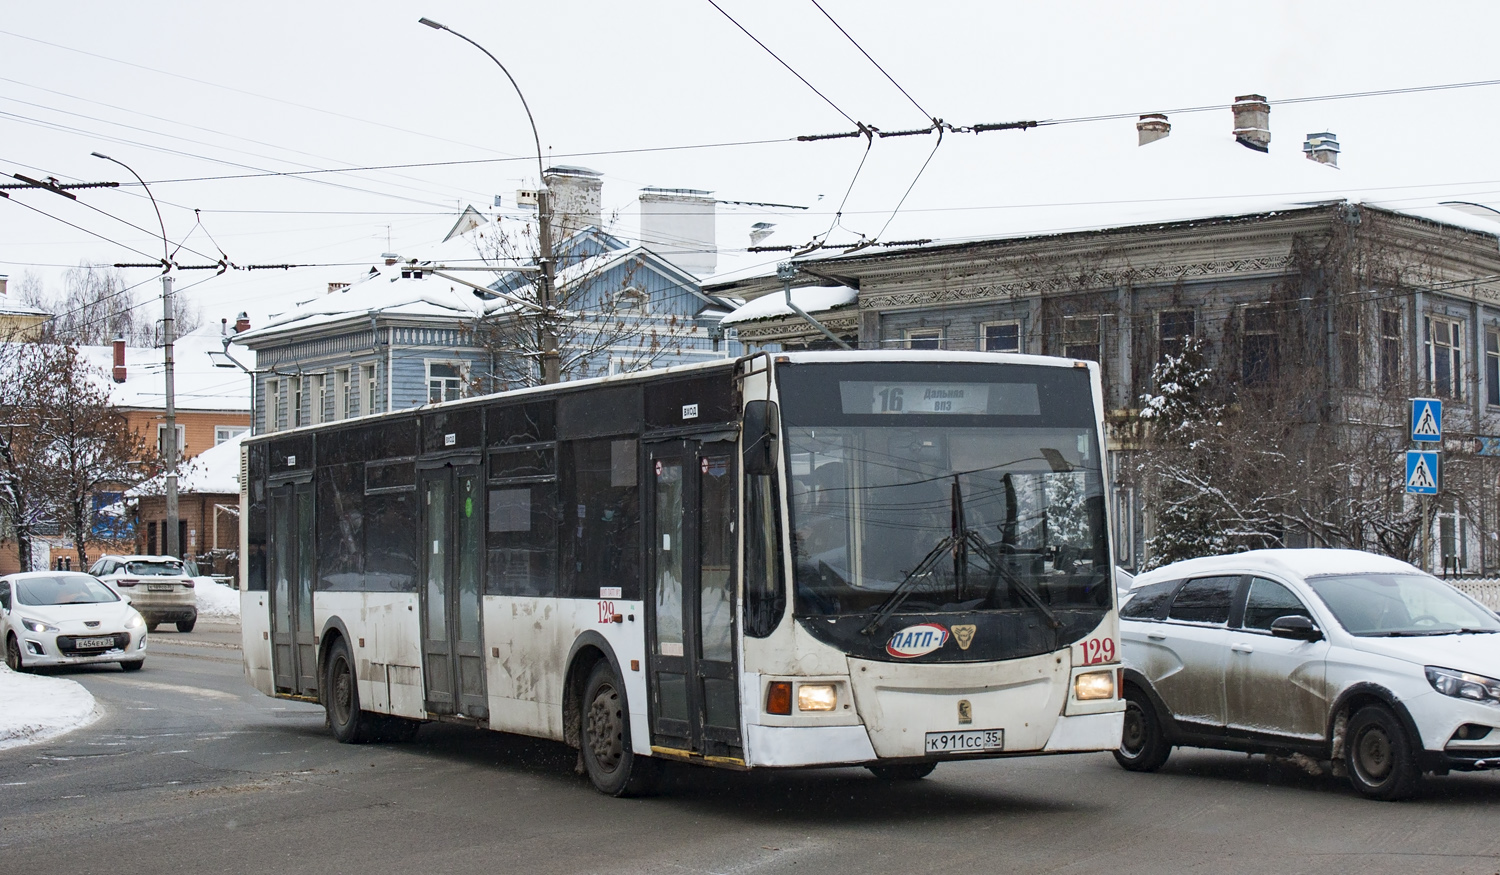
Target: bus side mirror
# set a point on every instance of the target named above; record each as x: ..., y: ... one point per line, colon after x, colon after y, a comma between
x: 759, y: 437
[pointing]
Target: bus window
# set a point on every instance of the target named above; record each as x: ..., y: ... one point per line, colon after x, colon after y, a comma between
x: 522, y: 540
x: 601, y: 518
x: 765, y: 590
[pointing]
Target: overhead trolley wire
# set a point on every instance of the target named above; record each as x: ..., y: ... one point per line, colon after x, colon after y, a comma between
x: 799, y: 76
x: 875, y: 62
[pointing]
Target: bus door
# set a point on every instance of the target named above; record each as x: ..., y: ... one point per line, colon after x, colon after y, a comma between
x: 690, y: 602
x: 452, y: 636
x: 294, y: 639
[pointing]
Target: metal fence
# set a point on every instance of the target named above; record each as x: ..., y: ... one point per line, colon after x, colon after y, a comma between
x: 1485, y: 589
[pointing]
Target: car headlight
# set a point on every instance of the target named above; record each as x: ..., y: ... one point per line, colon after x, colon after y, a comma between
x: 817, y: 697
x: 1462, y: 685
x: 38, y: 625
x: 1095, y: 685
x: 135, y: 621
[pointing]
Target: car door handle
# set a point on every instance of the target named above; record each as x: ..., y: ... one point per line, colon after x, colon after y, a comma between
x: 1242, y: 648
x: 1156, y: 636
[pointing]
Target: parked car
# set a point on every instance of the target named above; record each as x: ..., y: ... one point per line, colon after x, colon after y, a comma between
x: 1342, y: 656
x: 158, y: 586
x: 67, y: 618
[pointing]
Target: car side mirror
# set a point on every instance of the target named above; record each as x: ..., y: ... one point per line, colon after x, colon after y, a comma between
x: 1296, y: 627
x: 759, y: 437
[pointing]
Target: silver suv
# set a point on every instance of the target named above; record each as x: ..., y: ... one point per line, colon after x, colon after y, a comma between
x: 158, y: 586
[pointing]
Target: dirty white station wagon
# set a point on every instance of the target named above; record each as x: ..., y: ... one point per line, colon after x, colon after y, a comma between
x: 1356, y: 660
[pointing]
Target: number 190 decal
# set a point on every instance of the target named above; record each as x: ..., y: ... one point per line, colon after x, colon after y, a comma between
x: 1097, y: 650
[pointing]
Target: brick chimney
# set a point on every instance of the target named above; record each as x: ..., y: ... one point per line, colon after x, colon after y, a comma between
x: 678, y: 225
x: 1152, y: 127
x: 242, y: 322
x: 337, y: 287
x: 1252, y: 122
x: 4, y: 281
x: 119, y: 372
x: 390, y: 258
x: 575, y: 194
x: 1323, y: 148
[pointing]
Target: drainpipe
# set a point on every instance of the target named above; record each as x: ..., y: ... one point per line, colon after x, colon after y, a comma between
x: 786, y: 272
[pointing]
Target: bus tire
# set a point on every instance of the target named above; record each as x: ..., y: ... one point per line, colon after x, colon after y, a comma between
x: 349, y: 724
x: 1143, y: 743
x: 604, y: 738
x: 902, y: 771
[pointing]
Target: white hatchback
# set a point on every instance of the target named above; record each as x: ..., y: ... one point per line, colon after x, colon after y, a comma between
x: 1357, y: 660
x: 67, y: 618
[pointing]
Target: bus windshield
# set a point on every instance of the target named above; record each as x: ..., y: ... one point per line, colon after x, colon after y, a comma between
x: 973, y: 496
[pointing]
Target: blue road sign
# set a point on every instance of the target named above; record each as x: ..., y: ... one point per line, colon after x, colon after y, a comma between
x: 1422, y: 472
x: 1426, y: 420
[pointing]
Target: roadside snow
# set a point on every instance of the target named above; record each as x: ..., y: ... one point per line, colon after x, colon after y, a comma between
x: 35, y: 708
x: 215, y: 600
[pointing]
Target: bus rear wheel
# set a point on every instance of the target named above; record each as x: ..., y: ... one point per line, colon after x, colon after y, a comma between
x: 604, y: 740
x: 350, y: 725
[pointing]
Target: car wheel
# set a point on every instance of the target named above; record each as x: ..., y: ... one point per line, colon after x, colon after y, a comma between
x: 13, y: 659
x: 134, y: 665
x: 612, y: 766
x: 1143, y: 744
x: 350, y: 725
x: 187, y: 625
x: 1378, y: 752
x: 902, y: 771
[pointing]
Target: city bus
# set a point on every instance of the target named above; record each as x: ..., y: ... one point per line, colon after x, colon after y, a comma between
x: 793, y: 559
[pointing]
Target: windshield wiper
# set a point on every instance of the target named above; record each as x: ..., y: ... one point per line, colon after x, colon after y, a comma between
x: 907, y: 585
x: 1429, y: 633
x: 1027, y: 591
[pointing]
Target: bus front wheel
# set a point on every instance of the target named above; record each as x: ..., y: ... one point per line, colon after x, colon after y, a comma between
x: 604, y: 740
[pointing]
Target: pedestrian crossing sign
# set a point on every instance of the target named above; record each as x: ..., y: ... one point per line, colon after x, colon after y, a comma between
x: 1426, y: 419
x: 1422, y: 472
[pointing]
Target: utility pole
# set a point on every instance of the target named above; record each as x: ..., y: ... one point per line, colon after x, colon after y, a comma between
x: 551, y: 364
x: 169, y: 440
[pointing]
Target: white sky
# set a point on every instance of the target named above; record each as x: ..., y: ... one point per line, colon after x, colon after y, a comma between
x: 300, y: 85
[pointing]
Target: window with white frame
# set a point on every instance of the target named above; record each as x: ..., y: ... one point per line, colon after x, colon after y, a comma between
x: 444, y: 381
x: 1000, y: 337
x: 1390, y: 348
x: 1080, y: 338
x: 161, y: 440
x: 295, y: 415
x: 1492, y: 366
x: 341, y: 393
x: 319, y: 398
x: 273, y: 405
x: 924, y: 338
x: 223, y: 433
x: 1445, y: 357
x: 367, y: 376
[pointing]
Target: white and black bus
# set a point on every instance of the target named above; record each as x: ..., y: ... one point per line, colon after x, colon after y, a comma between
x: 886, y: 559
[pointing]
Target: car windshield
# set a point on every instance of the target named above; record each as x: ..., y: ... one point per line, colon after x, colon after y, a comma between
x: 946, y: 504
x: 146, y: 568
x: 63, y: 589
x: 1400, y: 605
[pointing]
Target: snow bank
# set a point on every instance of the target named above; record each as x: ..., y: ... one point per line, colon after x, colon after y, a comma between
x: 215, y: 600
x: 36, y: 708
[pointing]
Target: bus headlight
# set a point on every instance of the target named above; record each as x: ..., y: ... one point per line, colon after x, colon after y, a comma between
x: 817, y: 697
x: 1094, y: 685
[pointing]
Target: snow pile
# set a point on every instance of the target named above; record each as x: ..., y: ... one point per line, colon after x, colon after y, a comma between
x: 215, y: 600
x: 38, y: 708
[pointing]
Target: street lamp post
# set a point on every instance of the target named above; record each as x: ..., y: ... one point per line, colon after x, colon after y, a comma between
x: 169, y: 440
x: 547, y: 335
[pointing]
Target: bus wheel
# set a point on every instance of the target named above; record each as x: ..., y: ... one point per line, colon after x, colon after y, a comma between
x: 1143, y: 745
x: 903, y: 771
x: 613, y: 767
x: 341, y: 697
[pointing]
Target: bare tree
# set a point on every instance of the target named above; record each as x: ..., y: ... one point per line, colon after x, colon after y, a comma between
x: 96, y: 306
x: 604, y: 320
x: 88, y: 445
x: 25, y: 370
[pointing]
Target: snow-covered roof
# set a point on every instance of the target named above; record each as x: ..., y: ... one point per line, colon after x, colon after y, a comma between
x: 811, y: 300
x: 215, y: 471
x: 11, y: 307
x: 199, y: 383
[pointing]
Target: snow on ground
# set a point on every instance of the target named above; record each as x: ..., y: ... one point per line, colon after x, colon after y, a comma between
x: 36, y: 708
x: 215, y: 600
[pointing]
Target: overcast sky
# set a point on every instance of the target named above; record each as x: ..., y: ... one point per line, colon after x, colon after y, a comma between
x: 186, y: 91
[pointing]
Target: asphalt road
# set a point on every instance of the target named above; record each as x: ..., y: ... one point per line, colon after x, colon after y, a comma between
x: 190, y: 771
